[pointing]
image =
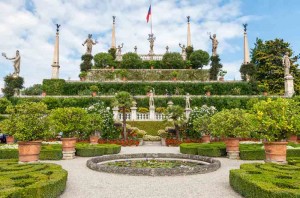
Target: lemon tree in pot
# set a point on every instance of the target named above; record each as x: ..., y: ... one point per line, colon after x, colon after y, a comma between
x: 28, y: 123
x: 277, y: 120
x: 71, y: 121
x: 232, y: 124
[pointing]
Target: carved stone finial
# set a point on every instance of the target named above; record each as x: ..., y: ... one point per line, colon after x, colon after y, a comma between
x: 114, y: 19
x: 188, y: 19
x: 57, y: 28
x: 245, y: 27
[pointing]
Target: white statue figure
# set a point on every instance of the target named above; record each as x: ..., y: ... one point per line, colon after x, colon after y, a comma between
x: 215, y: 44
x: 187, y: 101
x: 89, y: 44
x: 119, y: 49
x: 183, y: 51
x: 151, y: 99
x: 286, y: 62
x: 16, y: 61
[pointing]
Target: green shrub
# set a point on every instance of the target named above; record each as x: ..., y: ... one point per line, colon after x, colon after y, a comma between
x: 12, y: 83
x: 173, y: 60
x: 91, y: 150
x: 53, y: 86
x: 103, y: 59
x: 31, y: 180
x: 131, y: 61
x: 4, y: 103
x: 211, y: 150
x: 33, y: 90
x: 266, y: 180
x: 199, y: 58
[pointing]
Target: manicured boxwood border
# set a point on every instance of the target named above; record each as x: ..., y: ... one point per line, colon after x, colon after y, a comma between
x: 266, y: 180
x: 89, y: 150
x: 31, y: 180
x: 217, y: 149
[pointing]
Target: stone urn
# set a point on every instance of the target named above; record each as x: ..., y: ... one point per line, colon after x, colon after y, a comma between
x: 205, y: 139
x: 68, y: 148
x: 94, y: 139
x: 232, y: 148
x: 29, y: 151
x: 275, y: 152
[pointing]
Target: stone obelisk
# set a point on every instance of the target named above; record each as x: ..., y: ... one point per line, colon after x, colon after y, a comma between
x: 113, y: 34
x: 189, y: 39
x: 55, y: 64
x: 246, y: 46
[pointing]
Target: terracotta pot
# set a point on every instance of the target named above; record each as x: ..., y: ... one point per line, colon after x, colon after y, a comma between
x: 10, y: 140
x: 82, y: 79
x: 232, y: 144
x: 221, y: 79
x: 44, y: 94
x: 265, y: 93
x: 124, y: 78
x: 94, y: 139
x: 293, y: 138
x: 29, y: 151
x: 112, y: 69
x: 152, y: 67
x: 275, y: 152
x: 94, y: 94
x: 174, y: 79
x: 68, y: 144
x: 205, y: 139
x: 207, y: 93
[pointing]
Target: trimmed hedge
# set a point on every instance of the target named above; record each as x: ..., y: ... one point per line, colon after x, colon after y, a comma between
x: 151, y: 127
x: 91, y: 150
x: 217, y: 149
x: 31, y: 180
x: 266, y: 180
x: 53, y: 86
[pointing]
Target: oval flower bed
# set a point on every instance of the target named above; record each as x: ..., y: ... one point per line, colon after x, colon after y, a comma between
x: 31, y: 180
x: 266, y: 180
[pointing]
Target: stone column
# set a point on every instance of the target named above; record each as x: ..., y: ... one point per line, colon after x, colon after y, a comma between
x: 133, y: 111
x: 189, y: 39
x: 116, y: 113
x: 187, y: 112
x: 289, y: 86
x: 152, y: 113
x: 246, y: 46
x: 55, y: 64
x: 113, y: 34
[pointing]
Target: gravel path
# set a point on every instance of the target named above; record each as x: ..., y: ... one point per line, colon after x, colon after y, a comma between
x: 85, y: 183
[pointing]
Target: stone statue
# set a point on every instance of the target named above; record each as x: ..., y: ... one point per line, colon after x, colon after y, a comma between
x: 167, y: 49
x: 119, y: 49
x: 57, y: 28
x: 245, y: 27
x: 16, y: 61
x: 187, y: 101
x: 287, y: 64
x: 151, y: 39
x: 89, y: 44
x: 214, y: 44
x: 135, y: 49
x: 151, y: 99
x: 183, y: 51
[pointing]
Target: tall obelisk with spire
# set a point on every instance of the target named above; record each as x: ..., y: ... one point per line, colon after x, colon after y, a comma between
x: 113, y: 34
x: 55, y: 64
x: 189, y: 39
x: 246, y: 46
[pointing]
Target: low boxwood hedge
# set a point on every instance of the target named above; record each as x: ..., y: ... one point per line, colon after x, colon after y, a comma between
x: 217, y: 149
x: 91, y: 150
x: 31, y: 180
x: 266, y: 180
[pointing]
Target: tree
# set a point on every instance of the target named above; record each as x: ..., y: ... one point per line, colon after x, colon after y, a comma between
x: 11, y: 85
x: 123, y: 100
x: 199, y: 58
x: 176, y: 114
x: 34, y: 90
x: 131, y: 61
x: 189, y: 50
x: 267, y: 57
x: 102, y: 60
x: 173, y: 60
x: 112, y: 52
x: 86, y: 62
x: 215, y: 67
x: 247, y: 71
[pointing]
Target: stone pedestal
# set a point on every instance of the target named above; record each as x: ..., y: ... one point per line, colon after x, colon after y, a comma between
x: 133, y: 113
x: 68, y: 155
x: 16, y: 92
x: 289, y: 86
x: 187, y: 112
x: 184, y: 56
x: 116, y: 113
x: 152, y: 113
x: 55, y: 71
x: 170, y: 103
x: 235, y: 155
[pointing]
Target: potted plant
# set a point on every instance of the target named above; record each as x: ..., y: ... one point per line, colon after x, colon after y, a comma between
x: 174, y: 75
x: 264, y: 88
x: 83, y: 76
x: 232, y: 124
x: 71, y: 122
x: 222, y: 73
x: 163, y: 135
x: 152, y: 63
x: 10, y: 139
x: 176, y: 114
x: 208, y: 89
x: 277, y: 120
x: 140, y: 135
x: 28, y: 123
x: 124, y: 74
x: 94, y: 90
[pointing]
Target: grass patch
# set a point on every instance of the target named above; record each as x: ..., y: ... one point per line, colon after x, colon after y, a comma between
x: 151, y: 127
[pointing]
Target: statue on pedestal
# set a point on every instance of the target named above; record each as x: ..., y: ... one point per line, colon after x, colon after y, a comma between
x: 135, y: 49
x: 187, y: 101
x: 167, y: 49
x: 16, y: 61
x: 119, y: 49
x: 89, y: 44
x: 215, y: 44
x: 151, y: 39
x: 151, y: 99
x: 183, y: 51
x: 287, y: 64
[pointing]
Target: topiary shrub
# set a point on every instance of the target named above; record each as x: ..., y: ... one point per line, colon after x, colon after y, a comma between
x: 91, y: 150
x: 11, y: 85
x: 173, y: 61
x: 131, y: 61
x: 103, y: 60
x: 199, y: 58
x: 86, y: 62
x: 53, y: 86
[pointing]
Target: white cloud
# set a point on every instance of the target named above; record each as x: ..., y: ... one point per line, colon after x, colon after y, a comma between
x: 31, y: 29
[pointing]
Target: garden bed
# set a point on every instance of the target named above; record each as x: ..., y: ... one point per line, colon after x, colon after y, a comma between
x: 266, y: 180
x: 31, y: 180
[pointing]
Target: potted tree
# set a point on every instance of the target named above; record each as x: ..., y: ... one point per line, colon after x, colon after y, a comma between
x: 277, y: 120
x: 163, y: 135
x: 94, y: 90
x: 222, y: 73
x: 96, y: 113
x: 71, y: 122
x: 83, y: 76
x: 208, y: 89
x: 231, y: 124
x: 28, y: 123
x: 174, y: 75
x: 124, y: 74
x: 152, y: 63
x: 263, y: 88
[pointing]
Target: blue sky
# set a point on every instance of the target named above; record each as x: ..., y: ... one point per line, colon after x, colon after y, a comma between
x: 28, y: 25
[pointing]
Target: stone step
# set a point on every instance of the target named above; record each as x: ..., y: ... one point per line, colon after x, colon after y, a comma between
x: 152, y: 143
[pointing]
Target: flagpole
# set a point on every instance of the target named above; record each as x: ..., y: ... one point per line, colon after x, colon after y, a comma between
x: 151, y: 14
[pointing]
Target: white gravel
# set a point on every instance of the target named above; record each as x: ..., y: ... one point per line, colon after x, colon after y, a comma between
x: 86, y: 183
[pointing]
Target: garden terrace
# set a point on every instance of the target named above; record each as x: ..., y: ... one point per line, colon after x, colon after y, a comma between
x: 266, y: 180
x: 31, y: 180
x: 208, y: 164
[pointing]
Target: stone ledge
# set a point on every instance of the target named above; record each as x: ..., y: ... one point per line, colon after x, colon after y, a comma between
x: 212, y: 166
